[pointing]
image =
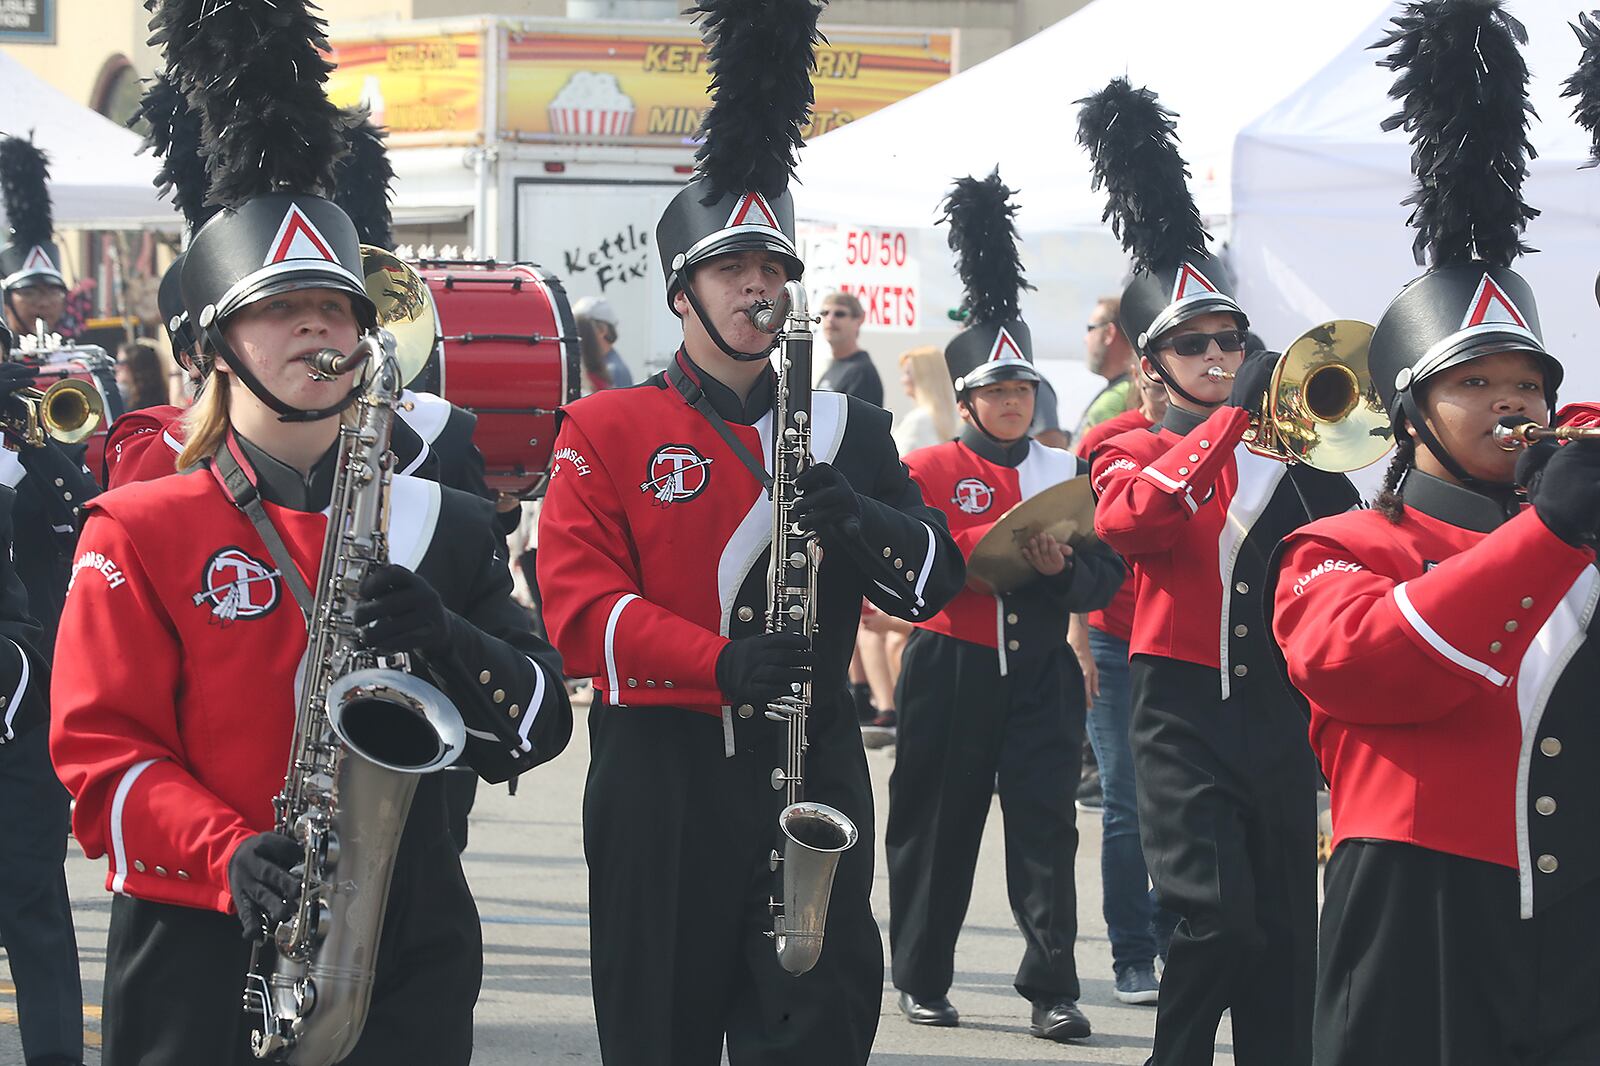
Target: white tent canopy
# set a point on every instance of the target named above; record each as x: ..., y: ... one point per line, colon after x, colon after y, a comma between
x: 1219, y: 65
x: 1318, y: 228
x: 97, y: 178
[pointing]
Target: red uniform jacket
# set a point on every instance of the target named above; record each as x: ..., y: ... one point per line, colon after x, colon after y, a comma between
x: 654, y: 538
x: 1451, y: 681
x: 1197, y: 515
x: 1117, y: 617
x: 174, y: 686
x: 975, y: 481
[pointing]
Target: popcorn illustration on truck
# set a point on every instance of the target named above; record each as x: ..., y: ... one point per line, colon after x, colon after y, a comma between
x: 592, y: 103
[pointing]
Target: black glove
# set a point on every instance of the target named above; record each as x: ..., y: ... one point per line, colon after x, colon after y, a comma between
x: 400, y: 612
x: 1251, y: 380
x: 827, y: 506
x: 258, y: 874
x: 14, y: 376
x: 1567, y: 497
x: 1530, y: 464
x: 760, y: 669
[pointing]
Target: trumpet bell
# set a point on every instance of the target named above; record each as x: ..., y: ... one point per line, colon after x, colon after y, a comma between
x: 69, y: 411
x: 1322, y: 408
x: 405, y: 308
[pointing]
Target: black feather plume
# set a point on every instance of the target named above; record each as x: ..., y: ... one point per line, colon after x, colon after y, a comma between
x: 255, y: 71
x: 761, y: 54
x: 1585, y: 84
x: 1462, y: 87
x: 983, y: 234
x: 25, y: 184
x: 1133, y: 144
x: 175, y: 137
x: 363, y: 181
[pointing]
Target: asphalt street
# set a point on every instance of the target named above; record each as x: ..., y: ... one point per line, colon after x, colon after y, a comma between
x: 525, y: 863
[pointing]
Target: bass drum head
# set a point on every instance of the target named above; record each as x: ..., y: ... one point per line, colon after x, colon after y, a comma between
x: 508, y: 353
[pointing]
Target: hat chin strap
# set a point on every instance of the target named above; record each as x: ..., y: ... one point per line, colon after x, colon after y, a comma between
x: 285, y: 412
x: 716, y: 338
x: 965, y: 400
x: 1171, y: 382
x: 1426, y: 437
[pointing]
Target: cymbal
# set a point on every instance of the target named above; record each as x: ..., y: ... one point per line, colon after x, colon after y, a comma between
x: 1065, y: 511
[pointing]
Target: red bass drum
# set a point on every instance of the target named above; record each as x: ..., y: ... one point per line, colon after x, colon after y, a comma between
x: 508, y: 354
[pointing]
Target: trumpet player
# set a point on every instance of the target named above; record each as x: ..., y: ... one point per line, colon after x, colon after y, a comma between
x: 174, y: 747
x: 1443, y: 639
x: 653, y: 564
x: 1226, y: 785
x: 988, y: 688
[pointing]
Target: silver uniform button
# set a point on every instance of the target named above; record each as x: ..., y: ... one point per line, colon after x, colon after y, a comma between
x: 1548, y: 864
x: 138, y: 865
x: 745, y: 710
x: 1194, y: 458
x: 1242, y: 588
x: 483, y: 678
x: 499, y: 695
x: 1241, y: 631
x: 161, y: 871
x: 1527, y: 601
x: 1011, y: 619
x: 1550, y: 746
x: 1182, y: 470
x: 1241, y: 670
x: 1545, y: 805
x: 1511, y: 626
x: 633, y: 682
x: 1495, y: 645
x: 745, y: 614
x: 898, y: 562
x: 1205, y: 444
x: 1013, y: 645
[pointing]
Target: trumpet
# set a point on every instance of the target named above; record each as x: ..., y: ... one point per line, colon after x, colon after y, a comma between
x: 1513, y: 437
x: 1320, y: 408
x: 68, y: 411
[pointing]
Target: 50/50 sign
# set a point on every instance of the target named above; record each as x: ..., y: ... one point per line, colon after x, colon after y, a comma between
x: 883, y: 248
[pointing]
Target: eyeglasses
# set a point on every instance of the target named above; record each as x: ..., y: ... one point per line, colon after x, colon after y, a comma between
x: 1188, y: 344
x: 1091, y: 327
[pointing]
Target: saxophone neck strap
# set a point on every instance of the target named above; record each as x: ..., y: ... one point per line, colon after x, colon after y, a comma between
x: 232, y: 469
x: 684, y: 381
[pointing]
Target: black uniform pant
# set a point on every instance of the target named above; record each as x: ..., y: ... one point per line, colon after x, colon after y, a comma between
x: 1425, y: 962
x: 677, y: 838
x: 175, y: 976
x: 1227, y: 816
x: 961, y: 726
x: 35, y: 915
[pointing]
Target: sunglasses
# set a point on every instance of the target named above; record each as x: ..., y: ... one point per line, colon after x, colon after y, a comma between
x: 836, y: 312
x: 1189, y: 344
x: 1092, y: 326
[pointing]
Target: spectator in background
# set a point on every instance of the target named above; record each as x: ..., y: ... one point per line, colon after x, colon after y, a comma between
x: 1139, y: 930
x: 1046, y: 428
x: 600, y: 311
x: 140, y: 376
x: 1108, y: 353
x: 932, y: 418
x: 592, y: 355
x: 851, y: 371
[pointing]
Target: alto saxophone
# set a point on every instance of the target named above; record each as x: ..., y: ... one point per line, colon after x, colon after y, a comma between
x: 813, y: 835
x: 364, y: 729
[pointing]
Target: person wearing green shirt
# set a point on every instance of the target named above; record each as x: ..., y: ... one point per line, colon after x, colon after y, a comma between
x: 1108, y: 354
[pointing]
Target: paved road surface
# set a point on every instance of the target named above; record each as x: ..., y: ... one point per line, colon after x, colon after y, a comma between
x: 525, y: 863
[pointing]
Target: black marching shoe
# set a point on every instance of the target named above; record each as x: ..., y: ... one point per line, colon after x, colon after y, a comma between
x: 936, y: 1011
x: 1061, y: 1020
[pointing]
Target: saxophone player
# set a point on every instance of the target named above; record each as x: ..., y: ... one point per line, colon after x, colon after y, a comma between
x: 174, y: 748
x: 653, y: 562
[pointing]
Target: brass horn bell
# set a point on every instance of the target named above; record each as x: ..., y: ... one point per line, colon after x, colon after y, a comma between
x: 68, y: 412
x: 1321, y: 408
x: 405, y: 308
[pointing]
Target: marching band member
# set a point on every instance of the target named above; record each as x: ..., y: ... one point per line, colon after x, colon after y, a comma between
x: 52, y: 486
x: 1226, y: 784
x: 653, y: 564
x: 35, y: 915
x: 988, y: 686
x: 1442, y: 638
x: 174, y: 748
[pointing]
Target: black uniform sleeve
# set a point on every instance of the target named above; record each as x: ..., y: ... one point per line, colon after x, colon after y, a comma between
x: 1091, y: 581
x: 24, y: 675
x: 912, y: 566
x: 506, y: 682
x: 63, y: 485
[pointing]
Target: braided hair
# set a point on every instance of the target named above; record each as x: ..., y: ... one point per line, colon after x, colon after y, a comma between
x: 1391, y: 502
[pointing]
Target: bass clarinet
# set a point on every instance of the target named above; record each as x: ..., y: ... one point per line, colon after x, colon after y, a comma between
x: 812, y: 836
x: 364, y: 729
